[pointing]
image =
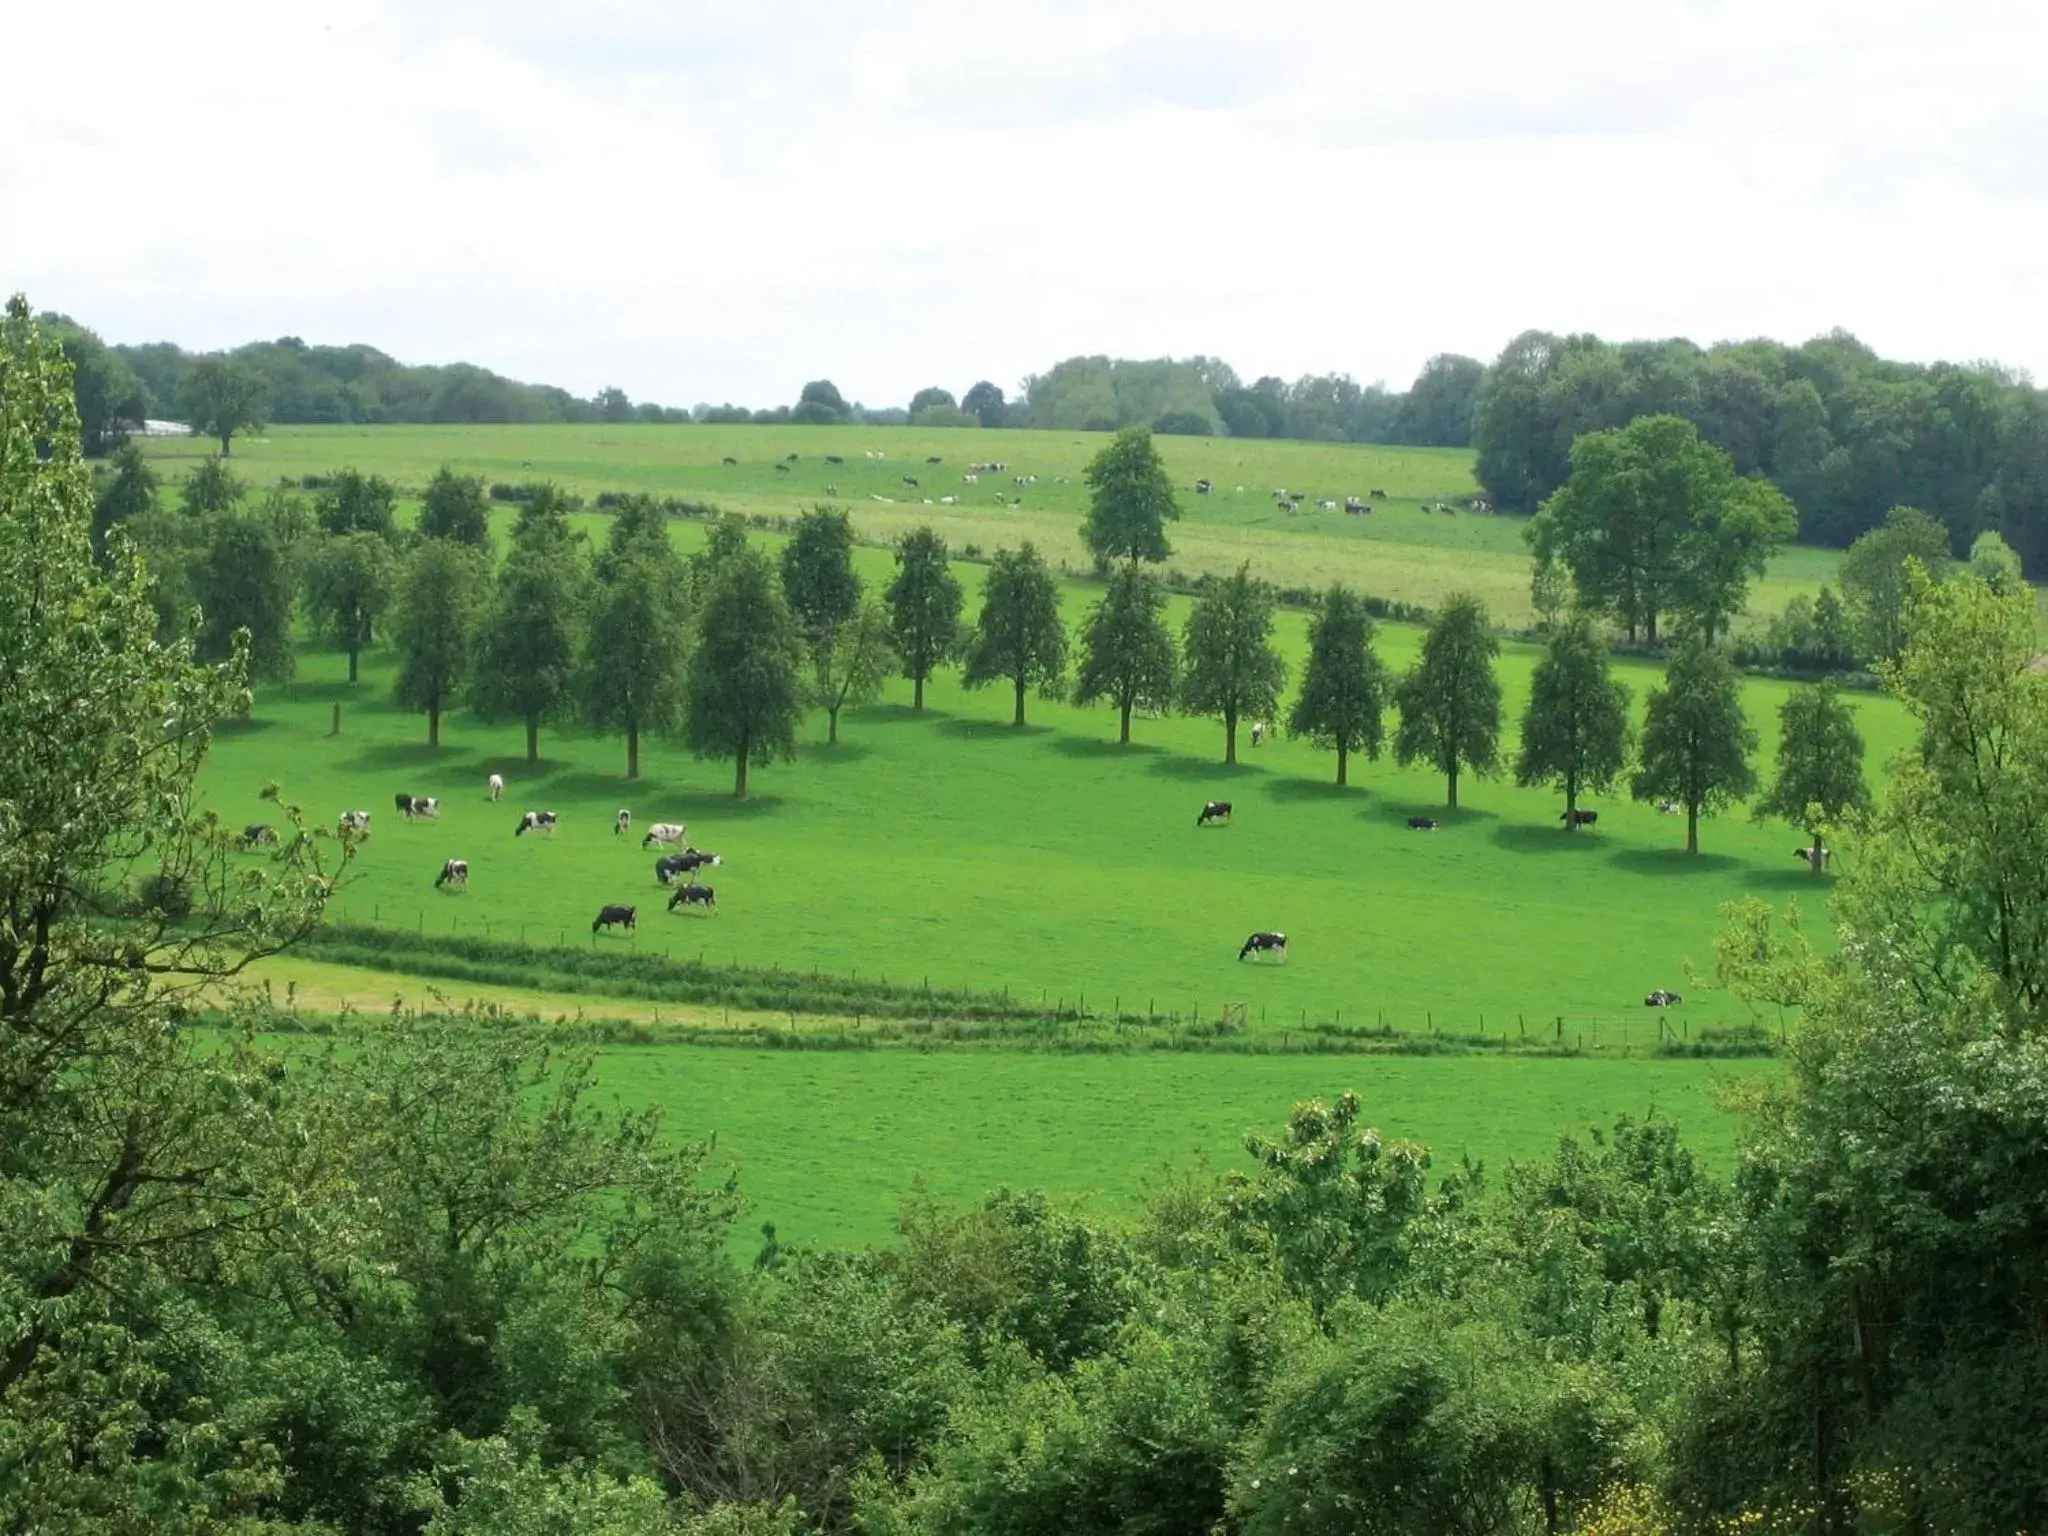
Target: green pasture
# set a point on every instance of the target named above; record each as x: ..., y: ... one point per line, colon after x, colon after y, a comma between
x: 953, y: 849
x: 827, y: 1145
x: 1400, y: 552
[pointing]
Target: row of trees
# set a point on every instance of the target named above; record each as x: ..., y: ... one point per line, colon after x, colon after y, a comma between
x: 424, y: 1278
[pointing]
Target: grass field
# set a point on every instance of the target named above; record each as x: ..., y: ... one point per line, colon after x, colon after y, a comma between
x: 1400, y: 552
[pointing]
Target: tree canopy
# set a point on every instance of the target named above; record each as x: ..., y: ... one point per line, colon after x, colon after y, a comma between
x: 439, y: 595
x: 1819, y: 777
x: 1229, y: 666
x: 1019, y: 637
x: 222, y: 400
x: 1126, y: 648
x: 456, y: 507
x: 924, y: 601
x: 1130, y: 500
x: 527, y: 646
x: 1575, y: 731
x: 1875, y: 581
x: 1697, y: 742
x: 743, y: 689
x: 1450, y: 699
x: 1344, y: 686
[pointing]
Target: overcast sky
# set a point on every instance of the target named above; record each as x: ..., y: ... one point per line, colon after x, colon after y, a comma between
x: 712, y: 202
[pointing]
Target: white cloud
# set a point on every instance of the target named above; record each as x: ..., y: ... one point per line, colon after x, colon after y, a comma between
x: 700, y: 202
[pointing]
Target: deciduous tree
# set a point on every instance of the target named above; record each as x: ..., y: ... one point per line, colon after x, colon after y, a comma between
x: 1875, y: 584
x: 242, y: 582
x: 924, y: 608
x: 1126, y: 648
x: 348, y: 587
x: 222, y: 399
x: 527, y: 646
x: 1229, y: 667
x: 1344, y: 688
x: 456, y: 507
x: 818, y: 576
x: 440, y: 593
x: 1575, y: 731
x: 1696, y: 740
x: 210, y: 488
x: 635, y: 644
x: 1450, y: 698
x: 1819, y: 777
x: 744, y: 691
x: 1130, y: 500
x: 852, y: 668
x: 1019, y: 636
x: 359, y: 503
x: 127, y: 493
x: 985, y: 402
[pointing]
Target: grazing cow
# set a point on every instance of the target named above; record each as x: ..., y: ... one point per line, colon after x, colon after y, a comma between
x: 454, y: 872
x: 1354, y: 507
x: 1816, y: 857
x: 1422, y: 823
x: 623, y: 916
x: 1203, y: 487
x: 782, y: 469
x: 668, y: 866
x: 1377, y: 494
x: 835, y: 458
x: 911, y: 481
x: 1258, y: 733
x: 694, y: 895
x: 791, y: 459
x: 971, y: 478
x: 1265, y: 943
x: 935, y: 459
x: 1324, y: 504
x: 729, y: 461
x: 831, y: 490
x: 1213, y: 810
x: 622, y: 823
x: 1661, y: 999
x: 356, y: 821
x: 1668, y: 807
x: 666, y: 834
x: 259, y: 834
x: 1573, y: 819
x: 427, y: 806
x: 497, y: 787
x: 404, y: 804
x: 949, y: 501
x: 535, y: 821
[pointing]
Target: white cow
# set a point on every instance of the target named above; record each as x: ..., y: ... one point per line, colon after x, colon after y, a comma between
x: 1258, y: 733
x: 621, y: 823
x: 666, y: 834
x: 497, y: 787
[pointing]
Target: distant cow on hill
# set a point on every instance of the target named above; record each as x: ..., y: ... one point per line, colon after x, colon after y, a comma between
x: 1213, y: 810
x: 259, y: 834
x: 1265, y: 943
x: 1661, y: 999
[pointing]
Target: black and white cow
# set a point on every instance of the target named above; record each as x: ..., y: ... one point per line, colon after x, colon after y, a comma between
x: 666, y: 834
x: 1203, y: 487
x: 455, y: 872
x: 694, y: 895
x: 404, y: 804
x: 1668, y: 808
x: 424, y: 806
x: 1265, y: 943
x: 1816, y: 857
x: 622, y: 823
x: 671, y: 865
x: 911, y: 481
x: 1213, y: 810
x: 357, y: 822
x: 1661, y: 999
x: 536, y: 821
x: 1258, y: 733
x: 1422, y: 823
x: 259, y: 834
x: 834, y: 458
x: 1353, y: 507
x: 623, y: 916
x: 1576, y: 818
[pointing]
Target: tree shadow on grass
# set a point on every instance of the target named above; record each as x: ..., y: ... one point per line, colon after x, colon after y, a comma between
x: 1293, y: 790
x: 246, y: 725
x: 1178, y: 765
x: 340, y: 691
x: 588, y: 784
x: 989, y: 730
x: 1798, y: 881
x: 1099, y: 747
x: 416, y: 756
x: 1398, y: 812
x: 1521, y: 837
x: 515, y: 769
x: 1671, y: 861
x: 841, y: 751
x: 894, y: 714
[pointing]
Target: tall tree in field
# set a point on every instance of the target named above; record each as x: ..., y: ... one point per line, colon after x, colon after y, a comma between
x: 1654, y: 521
x: 1130, y: 500
x: 221, y: 400
x: 1875, y: 583
x: 348, y: 587
x: 243, y: 582
x: 1575, y: 730
x: 456, y: 507
x: 359, y: 503
x: 985, y: 402
x: 744, y: 696
x: 434, y: 618
x: 1126, y: 648
x: 211, y: 488
x: 817, y: 572
x: 1819, y: 777
x: 527, y: 646
x: 1696, y: 740
x: 924, y: 608
x: 1344, y: 689
x: 1450, y: 699
x: 854, y: 666
x: 635, y: 643
x: 1229, y: 667
x: 1019, y: 637
x: 127, y: 493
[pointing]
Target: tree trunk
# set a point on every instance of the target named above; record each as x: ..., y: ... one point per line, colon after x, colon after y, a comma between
x: 1124, y: 729
x: 434, y: 725
x: 1451, y: 785
x: 533, y: 738
x: 832, y: 726
x: 224, y: 437
x: 632, y: 749
x: 352, y: 654
x: 1020, y: 703
x: 1342, y: 764
x: 1817, y: 860
x: 1571, y: 806
x: 917, y: 693
x: 739, y: 782
x: 1692, y: 827
x: 1653, y: 626
x: 1229, y: 737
